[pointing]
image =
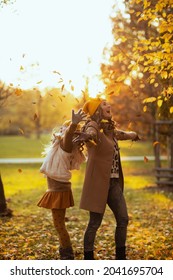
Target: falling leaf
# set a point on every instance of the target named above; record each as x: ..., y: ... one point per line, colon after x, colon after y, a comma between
x: 171, y: 110
x: 11, y: 85
x: 19, y: 170
x: 62, y: 88
x: 18, y: 91
x: 23, y: 55
x: 146, y: 159
x: 60, y: 98
x: 77, y: 100
x: 93, y: 142
x: 21, y: 68
x: 70, y: 81
x: 35, y: 116
x: 101, y: 130
x: 155, y: 143
x: 21, y: 131
x: 39, y: 82
x: 104, y: 121
x: 60, y: 80
x: 72, y: 87
x: 159, y: 103
x: 110, y: 93
x: 56, y: 72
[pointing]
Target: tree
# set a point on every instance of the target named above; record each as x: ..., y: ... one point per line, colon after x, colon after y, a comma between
x: 136, y: 57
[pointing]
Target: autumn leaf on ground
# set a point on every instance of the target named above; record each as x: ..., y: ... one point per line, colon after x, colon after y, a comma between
x: 19, y: 170
x: 146, y: 159
x: 34, y: 102
x: 39, y: 82
x: 10, y: 121
x: 21, y: 131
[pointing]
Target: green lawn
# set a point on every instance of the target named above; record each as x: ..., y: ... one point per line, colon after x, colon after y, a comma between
x: 20, y: 146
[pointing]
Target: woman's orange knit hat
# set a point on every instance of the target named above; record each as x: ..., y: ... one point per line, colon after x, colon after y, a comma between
x: 91, y: 105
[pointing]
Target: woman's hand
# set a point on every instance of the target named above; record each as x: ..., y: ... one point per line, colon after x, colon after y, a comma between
x: 78, y: 117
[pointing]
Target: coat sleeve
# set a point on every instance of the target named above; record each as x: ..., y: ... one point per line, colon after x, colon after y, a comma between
x: 92, y: 130
x: 67, y: 144
x: 125, y: 135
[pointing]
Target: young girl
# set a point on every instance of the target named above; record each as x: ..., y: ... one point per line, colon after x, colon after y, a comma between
x: 62, y: 156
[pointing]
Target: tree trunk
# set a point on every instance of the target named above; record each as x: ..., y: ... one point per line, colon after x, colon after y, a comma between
x: 4, y: 211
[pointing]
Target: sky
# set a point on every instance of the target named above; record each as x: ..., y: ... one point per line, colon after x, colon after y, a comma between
x: 48, y: 43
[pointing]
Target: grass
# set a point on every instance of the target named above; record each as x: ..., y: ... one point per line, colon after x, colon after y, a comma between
x: 20, y: 146
x: 30, y: 233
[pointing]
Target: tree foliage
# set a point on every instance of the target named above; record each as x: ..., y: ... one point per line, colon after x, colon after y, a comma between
x: 140, y: 62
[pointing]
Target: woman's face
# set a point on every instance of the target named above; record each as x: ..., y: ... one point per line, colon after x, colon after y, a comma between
x: 106, y: 110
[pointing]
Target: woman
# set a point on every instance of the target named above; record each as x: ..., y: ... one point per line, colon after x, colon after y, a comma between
x: 103, y: 182
x: 62, y: 157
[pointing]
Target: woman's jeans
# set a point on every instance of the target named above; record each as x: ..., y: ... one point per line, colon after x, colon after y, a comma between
x: 117, y: 204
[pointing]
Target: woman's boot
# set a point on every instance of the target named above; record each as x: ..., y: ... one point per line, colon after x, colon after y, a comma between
x: 66, y: 253
x: 88, y: 255
x: 121, y: 253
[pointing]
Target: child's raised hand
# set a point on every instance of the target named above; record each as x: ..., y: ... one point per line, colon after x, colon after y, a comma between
x: 78, y: 117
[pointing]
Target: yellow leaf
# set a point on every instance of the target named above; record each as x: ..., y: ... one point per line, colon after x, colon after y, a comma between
x: 146, y: 159
x: 164, y: 74
x: 159, y: 103
x: 155, y: 143
x: 152, y: 81
x: 72, y: 87
x: 171, y: 110
x: 62, y: 88
x: 101, y: 130
x: 21, y: 68
x: 145, y: 108
x: 21, y: 131
x: 93, y: 142
x: 18, y: 91
x: 149, y: 99
x: 39, y: 82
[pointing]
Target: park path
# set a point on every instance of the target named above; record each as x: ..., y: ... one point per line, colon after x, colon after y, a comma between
x: 40, y: 160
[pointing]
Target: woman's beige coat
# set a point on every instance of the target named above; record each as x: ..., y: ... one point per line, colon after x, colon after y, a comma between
x: 98, y: 169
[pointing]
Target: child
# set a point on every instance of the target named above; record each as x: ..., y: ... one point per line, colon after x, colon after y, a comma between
x: 62, y: 156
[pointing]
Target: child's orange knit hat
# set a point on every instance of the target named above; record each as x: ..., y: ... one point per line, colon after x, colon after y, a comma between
x: 91, y: 105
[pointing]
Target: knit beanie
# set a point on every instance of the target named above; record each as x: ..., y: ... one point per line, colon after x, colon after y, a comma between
x: 91, y: 105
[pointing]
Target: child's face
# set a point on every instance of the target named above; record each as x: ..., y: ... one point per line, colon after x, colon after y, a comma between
x: 106, y: 110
